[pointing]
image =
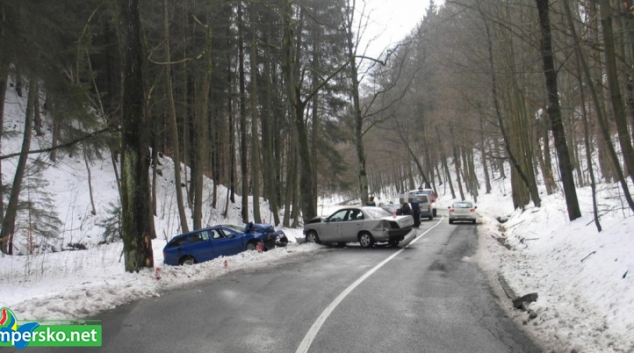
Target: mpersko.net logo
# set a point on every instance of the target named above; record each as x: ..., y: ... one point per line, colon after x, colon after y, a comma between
x: 42, y: 333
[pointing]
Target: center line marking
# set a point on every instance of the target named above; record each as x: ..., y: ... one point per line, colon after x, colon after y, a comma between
x: 314, y: 330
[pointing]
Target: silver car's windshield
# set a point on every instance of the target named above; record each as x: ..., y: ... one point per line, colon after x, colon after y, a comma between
x: 377, y: 212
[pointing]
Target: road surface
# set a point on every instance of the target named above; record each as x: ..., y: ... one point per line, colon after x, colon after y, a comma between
x: 422, y: 296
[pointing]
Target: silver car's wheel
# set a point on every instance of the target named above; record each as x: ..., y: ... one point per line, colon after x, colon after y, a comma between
x: 312, y: 237
x: 366, y: 240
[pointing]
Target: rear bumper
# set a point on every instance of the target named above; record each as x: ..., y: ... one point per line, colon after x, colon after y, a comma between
x: 398, y: 234
x: 462, y: 217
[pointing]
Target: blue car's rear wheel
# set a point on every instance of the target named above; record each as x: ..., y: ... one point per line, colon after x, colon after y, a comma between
x: 187, y: 260
x: 252, y: 245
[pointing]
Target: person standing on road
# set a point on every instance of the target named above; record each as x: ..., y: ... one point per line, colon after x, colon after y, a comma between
x: 370, y: 201
x: 416, y: 214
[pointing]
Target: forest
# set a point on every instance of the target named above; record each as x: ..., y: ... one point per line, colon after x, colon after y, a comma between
x: 279, y: 99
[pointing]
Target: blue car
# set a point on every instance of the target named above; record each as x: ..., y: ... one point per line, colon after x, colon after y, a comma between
x: 221, y: 240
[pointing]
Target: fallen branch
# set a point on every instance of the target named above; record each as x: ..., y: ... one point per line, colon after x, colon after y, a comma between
x: 592, y: 253
x: 523, y: 301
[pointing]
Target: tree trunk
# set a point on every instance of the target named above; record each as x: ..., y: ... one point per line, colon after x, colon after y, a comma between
x: 37, y: 115
x: 267, y: 134
x: 291, y: 177
x: 178, y: 184
x: 201, y: 118
x: 155, y: 165
x: 499, y: 159
x: 554, y: 113
x: 356, y: 107
x: 255, y: 144
x: 473, y: 178
x: 456, y: 161
x: 547, y: 168
x: 602, y: 122
x: 55, y: 135
x: 466, y: 175
x: 618, y: 106
x: 586, y: 133
x: 244, y: 163
x: 296, y: 194
x: 316, y: 69
x: 90, y: 193
x: 232, y: 143
x: 507, y: 143
x: 4, y: 75
x: 8, y: 222
x: 485, y: 167
x: 293, y: 89
x: 138, y: 223
x: 443, y: 158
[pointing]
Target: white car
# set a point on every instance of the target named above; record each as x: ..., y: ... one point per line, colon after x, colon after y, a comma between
x: 463, y: 211
x: 432, y: 197
x: 365, y: 225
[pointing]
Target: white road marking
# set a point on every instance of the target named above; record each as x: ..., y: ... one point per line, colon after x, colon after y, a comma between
x: 314, y: 330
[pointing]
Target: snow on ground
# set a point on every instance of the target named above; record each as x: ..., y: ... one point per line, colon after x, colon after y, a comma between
x: 76, y: 284
x: 583, y: 278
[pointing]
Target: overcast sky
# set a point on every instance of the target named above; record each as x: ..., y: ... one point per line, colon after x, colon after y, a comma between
x: 391, y: 20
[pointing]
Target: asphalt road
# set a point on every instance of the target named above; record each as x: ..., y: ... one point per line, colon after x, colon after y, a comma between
x: 418, y: 297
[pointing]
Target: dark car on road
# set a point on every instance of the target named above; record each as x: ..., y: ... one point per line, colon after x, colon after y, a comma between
x: 220, y: 240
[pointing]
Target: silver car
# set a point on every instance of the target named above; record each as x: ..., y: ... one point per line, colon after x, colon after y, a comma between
x: 366, y: 225
x: 463, y: 211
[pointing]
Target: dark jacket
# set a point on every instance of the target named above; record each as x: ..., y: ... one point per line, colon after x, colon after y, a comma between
x: 404, y: 210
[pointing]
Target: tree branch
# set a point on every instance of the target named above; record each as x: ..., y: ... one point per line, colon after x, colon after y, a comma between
x: 67, y: 144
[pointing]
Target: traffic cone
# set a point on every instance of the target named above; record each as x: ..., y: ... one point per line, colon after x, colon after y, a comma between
x: 260, y: 247
x: 226, y: 265
x: 157, y: 273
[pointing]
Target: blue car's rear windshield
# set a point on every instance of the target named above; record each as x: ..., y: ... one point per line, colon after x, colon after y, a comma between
x: 235, y: 228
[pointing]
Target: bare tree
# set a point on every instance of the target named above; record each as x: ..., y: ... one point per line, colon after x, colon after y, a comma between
x: 8, y: 221
x: 554, y: 112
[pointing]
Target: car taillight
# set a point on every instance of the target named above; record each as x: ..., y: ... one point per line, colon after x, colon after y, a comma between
x: 472, y: 210
x: 451, y: 210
